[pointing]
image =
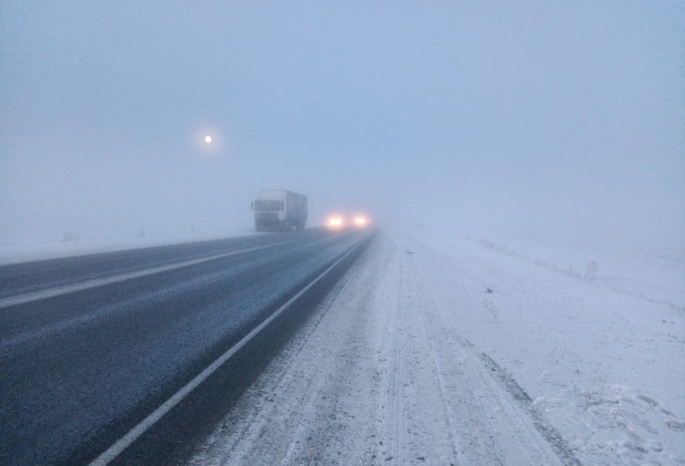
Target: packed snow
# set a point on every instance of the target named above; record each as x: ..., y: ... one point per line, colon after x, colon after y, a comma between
x: 438, y: 348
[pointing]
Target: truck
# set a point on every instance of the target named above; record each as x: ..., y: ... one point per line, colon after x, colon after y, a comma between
x: 279, y: 210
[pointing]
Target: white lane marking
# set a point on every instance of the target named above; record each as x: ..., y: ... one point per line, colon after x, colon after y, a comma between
x: 120, y: 445
x: 66, y: 289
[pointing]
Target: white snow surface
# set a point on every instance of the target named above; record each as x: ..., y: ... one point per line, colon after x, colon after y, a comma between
x: 33, y: 251
x: 443, y: 349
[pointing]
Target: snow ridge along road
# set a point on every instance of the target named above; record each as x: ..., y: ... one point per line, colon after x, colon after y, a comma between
x: 379, y: 375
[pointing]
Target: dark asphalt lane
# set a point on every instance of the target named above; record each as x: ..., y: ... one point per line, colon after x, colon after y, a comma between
x: 33, y: 276
x: 78, y: 370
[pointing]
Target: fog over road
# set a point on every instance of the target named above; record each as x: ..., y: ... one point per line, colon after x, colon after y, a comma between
x: 91, y: 345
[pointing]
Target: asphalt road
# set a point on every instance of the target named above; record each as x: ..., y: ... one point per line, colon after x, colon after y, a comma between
x: 91, y: 345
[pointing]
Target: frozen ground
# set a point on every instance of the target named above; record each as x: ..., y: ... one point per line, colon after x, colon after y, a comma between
x: 448, y: 350
x: 595, y: 337
x: 74, y: 246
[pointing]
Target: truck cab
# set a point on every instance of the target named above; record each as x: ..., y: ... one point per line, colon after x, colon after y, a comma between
x: 279, y: 210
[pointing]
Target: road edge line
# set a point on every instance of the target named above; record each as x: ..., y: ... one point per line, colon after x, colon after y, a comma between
x: 136, y: 432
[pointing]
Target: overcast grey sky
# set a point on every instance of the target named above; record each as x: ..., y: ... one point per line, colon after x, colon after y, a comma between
x: 508, y: 116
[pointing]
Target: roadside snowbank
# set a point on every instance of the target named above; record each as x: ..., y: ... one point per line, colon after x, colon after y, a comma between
x: 27, y: 252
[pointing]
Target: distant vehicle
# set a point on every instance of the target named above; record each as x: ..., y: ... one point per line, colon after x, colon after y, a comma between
x: 338, y: 222
x: 335, y: 222
x: 360, y: 221
x: 279, y: 210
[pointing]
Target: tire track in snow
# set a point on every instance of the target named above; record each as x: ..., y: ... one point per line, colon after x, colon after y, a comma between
x: 529, y: 436
x: 552, y: 435
x: 469, y: 433
x: 398, y: 454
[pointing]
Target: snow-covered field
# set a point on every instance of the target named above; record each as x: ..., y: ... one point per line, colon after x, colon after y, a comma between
x: 441, y: 349
x: 596, y: 338
x: 33, y: 251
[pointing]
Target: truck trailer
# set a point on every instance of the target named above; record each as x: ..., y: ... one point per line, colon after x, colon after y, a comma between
x: 279, y: 210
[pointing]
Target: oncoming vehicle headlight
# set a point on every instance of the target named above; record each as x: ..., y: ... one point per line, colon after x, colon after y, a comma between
x: 335, y: 222
x: 360, y: 221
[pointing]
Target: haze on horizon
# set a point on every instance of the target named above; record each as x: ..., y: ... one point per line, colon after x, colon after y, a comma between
x: 526, y: 118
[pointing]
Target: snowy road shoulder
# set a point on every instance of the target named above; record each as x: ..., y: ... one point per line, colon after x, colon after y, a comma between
x: 381, y: 375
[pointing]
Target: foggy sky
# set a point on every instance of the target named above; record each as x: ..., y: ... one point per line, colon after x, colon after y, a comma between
x: 528, y: 118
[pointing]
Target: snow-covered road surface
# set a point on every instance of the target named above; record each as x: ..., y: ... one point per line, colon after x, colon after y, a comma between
x: 433, y: 352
